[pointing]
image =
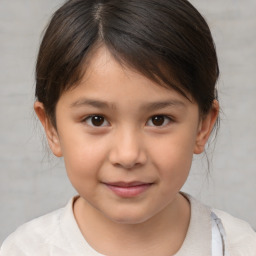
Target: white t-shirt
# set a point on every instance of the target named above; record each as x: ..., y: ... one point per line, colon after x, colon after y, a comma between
x: 57, y: 234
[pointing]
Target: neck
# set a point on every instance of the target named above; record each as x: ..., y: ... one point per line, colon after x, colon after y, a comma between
x: 163, y: 234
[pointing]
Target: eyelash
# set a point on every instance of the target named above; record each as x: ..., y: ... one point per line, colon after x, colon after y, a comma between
x: 166, y: 120
x: 88, y: 120
x: 103, y: 122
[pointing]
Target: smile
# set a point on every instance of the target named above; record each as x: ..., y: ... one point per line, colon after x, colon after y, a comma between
x: 128, y: 190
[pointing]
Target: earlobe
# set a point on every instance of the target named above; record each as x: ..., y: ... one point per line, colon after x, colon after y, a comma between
x: 50, y: 130
x: 205, y: 128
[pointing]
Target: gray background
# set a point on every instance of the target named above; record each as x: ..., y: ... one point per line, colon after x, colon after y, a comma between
x: 33, y: 183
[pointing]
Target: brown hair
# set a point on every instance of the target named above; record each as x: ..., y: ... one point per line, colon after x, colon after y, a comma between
x: 162, y: 39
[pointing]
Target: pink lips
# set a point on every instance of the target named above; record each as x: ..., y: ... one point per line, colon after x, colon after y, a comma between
x: 128, y: 190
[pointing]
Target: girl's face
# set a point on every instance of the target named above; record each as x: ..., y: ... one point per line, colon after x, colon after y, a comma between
x: 127, y: 142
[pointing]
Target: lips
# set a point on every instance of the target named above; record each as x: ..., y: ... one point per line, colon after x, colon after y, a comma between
x: 128, y: 189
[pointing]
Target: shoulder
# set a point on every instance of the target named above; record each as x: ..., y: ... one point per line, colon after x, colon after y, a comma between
x: 240, y: 236
x: 34, y: 237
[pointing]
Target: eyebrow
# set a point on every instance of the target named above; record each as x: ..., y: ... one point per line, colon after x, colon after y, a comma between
x: 163, y: 104
x: 91, y: 102
x: 150, y: 106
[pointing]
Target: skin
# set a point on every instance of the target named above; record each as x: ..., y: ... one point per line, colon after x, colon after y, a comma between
x: 127, y: 145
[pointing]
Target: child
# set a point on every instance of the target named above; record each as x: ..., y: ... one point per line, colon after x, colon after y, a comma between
x: 126, y: 94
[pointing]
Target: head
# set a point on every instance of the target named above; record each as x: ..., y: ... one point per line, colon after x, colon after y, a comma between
x: 166, y: 41
x: 121, y: 56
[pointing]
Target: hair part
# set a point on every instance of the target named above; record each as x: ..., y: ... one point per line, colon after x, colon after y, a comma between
x: 165, y: 40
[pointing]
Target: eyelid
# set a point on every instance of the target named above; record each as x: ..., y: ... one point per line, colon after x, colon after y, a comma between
x: 89, y: 123
x: 168, y: 120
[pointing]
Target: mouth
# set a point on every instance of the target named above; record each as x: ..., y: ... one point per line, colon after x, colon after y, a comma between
x: 128, y: 189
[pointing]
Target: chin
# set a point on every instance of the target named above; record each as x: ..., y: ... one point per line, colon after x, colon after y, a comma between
x: 129, y: 218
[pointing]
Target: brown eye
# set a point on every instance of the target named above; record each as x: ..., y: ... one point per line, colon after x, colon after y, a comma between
x: 96, y: 121
x: 159, y: 120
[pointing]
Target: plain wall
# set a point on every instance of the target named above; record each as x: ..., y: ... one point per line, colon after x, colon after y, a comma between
x: 33, y: 183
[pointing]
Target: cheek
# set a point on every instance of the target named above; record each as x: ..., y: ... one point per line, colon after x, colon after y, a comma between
x: 173, y: 158
x: 83, y: 159
x: 82, y: 169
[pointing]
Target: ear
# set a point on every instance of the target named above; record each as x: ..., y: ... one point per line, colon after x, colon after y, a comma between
x: 205, y: 128
x: 50, y: 130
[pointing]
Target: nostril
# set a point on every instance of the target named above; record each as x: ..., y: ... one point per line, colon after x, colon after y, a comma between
x: 128, y: 160
x: 128, y: 166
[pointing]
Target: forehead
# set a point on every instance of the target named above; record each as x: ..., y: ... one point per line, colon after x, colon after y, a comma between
x: 107, y: 80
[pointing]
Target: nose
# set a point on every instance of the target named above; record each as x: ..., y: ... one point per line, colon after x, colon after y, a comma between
x: 127, y: 150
